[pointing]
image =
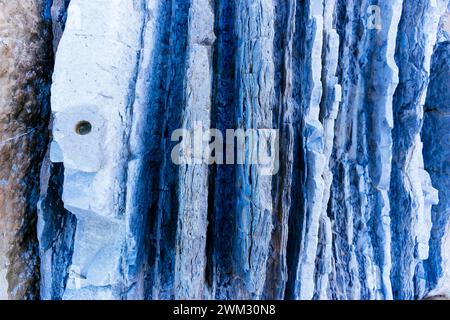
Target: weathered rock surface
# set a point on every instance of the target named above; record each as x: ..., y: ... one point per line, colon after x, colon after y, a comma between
x: 436, y: 155
x: 358, y: 206
x: 25, y: 71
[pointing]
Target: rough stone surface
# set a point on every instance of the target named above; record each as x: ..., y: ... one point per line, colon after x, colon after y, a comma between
x: 25, y: 71
x: 437, y: 156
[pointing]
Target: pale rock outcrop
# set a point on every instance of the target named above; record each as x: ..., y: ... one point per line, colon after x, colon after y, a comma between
x: 436, y: 139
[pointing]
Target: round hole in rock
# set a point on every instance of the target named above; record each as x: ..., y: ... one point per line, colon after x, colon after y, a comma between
x: 83, y: 128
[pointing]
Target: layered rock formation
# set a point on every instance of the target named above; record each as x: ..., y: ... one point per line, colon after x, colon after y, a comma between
x: 436, y: 139
x: 356, y: 206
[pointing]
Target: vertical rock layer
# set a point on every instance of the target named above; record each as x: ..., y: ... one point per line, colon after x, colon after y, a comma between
x: 92, y: 136
x: 26, y: 64
x: 435, y: 135
x: 411, y: 191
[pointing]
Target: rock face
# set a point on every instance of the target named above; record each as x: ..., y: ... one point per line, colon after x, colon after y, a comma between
x: 25, y: 70
x: 436, y: 156
x: 351, y: 95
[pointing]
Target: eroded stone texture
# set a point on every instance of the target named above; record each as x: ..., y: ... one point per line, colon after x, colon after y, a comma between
x: 105, y: 262
x: 360, y: 162
x: 56, y: 226
x: 254, y: 102
x: 25, y: 70
x: 412, y: 194
x: 193, y: 179
x: 349, y: 213
x: 436, y: 138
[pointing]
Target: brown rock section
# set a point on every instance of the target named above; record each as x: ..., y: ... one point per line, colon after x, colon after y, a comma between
x: 24, y: 113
